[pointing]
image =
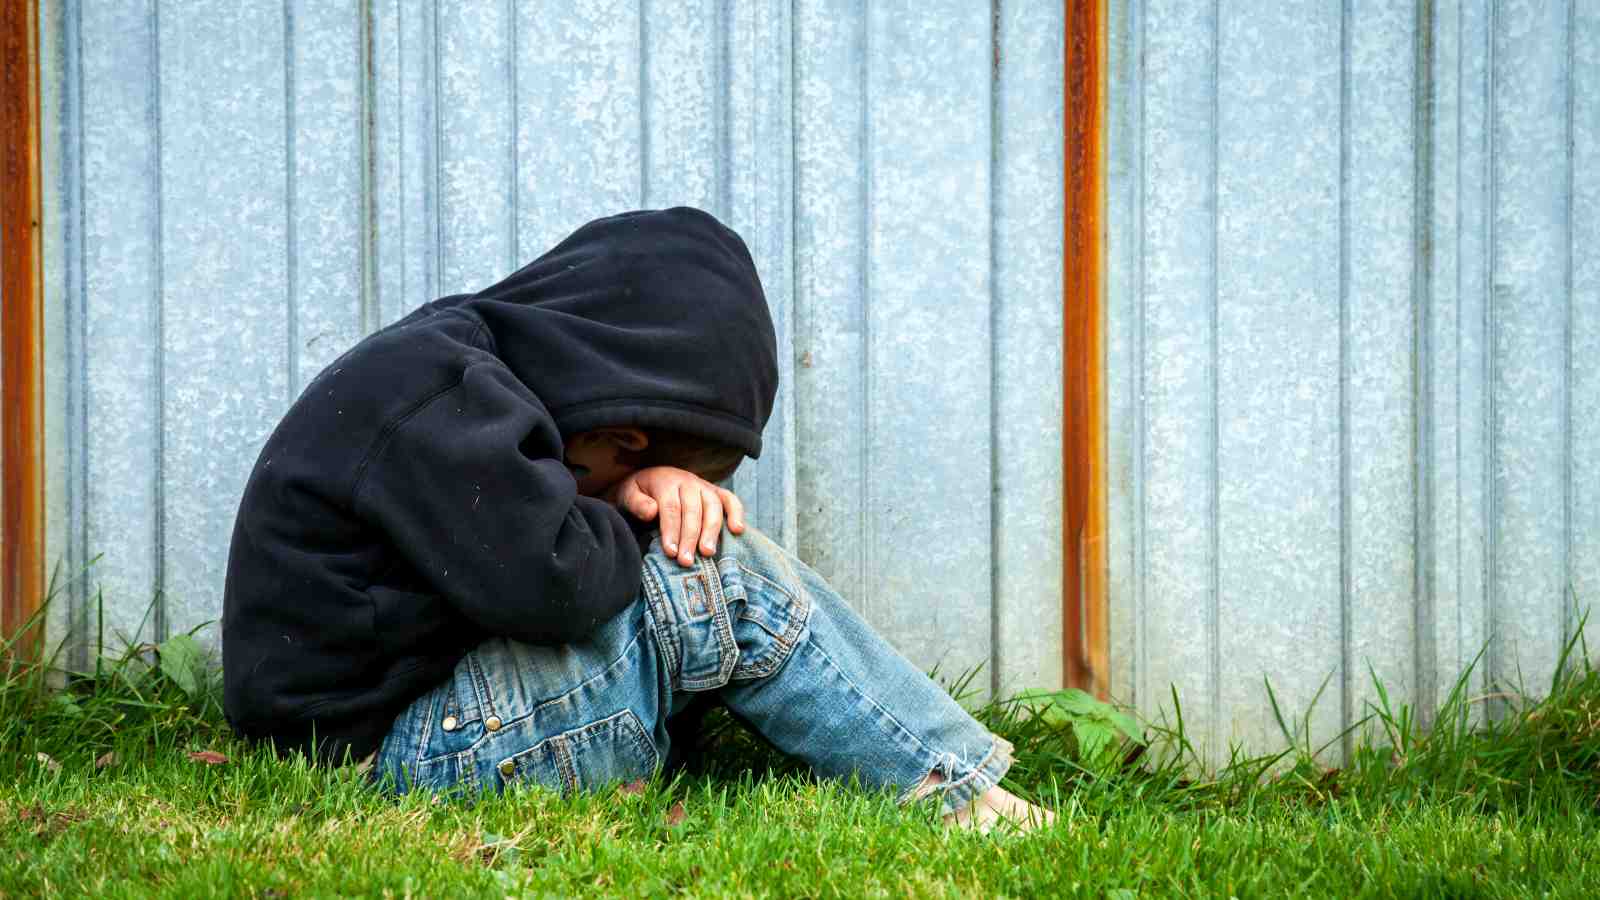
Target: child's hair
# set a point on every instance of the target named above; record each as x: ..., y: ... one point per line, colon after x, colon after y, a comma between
x: 706, y: 458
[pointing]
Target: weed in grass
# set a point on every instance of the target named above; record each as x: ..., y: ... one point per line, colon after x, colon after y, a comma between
x: 145, y: 698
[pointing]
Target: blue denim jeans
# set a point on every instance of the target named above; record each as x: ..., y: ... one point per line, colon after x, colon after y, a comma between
x: 754, y: 624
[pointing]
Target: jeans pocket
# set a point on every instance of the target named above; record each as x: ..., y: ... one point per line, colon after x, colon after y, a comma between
x: 694, y: 625
x: 425, y: 749
x: 612, y: 749
x: 451, y: 717
x: 769, y: 622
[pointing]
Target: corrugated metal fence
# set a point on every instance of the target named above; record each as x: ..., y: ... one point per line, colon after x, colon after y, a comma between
x: 1351, y: 299
x: 1353, y: 313
x: 237, y: 192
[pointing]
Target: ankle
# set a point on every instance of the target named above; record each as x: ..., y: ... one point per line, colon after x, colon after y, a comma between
x: 995, y: 805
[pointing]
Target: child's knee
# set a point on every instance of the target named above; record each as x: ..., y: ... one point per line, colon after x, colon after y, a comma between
x: 735, y: 617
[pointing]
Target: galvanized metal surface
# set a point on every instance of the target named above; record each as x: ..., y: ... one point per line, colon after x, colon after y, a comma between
x: 1348, y: 310
x: 243, y: 191
x: 1349, y: 306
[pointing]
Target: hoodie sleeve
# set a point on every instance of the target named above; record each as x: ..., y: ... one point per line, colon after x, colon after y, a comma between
x: 471, y: 489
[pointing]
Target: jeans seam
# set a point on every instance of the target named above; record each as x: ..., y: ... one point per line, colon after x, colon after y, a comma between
x: 801, y: 617
x: 567, y: 771
x: 480, y: 684
x: 478, y: 744
x: 723, y: 616
x: 419, y: 751
x: 580, y: 685
x: 467, y: 770
x: 660, y: 622
x: 624, y: 722
x: 950, y: 788
x: 646, y: 747
x: 870, y: 699
x: 728, y: 649
x: 667, y: 629
x: 765, y: 580
x: 452, y: 703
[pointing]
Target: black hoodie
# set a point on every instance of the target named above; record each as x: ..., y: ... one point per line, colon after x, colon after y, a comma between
x: 414, y: 501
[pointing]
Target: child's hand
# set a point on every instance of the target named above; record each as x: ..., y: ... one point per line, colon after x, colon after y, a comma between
x: 692, y: 509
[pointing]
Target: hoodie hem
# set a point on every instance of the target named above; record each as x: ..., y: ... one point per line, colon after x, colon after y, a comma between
x: 691, y: 418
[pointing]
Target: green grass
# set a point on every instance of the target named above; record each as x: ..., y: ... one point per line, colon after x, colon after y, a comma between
x: 1503, y: 808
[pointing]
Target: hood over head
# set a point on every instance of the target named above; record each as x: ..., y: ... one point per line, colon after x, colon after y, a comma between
x: 653, y: 318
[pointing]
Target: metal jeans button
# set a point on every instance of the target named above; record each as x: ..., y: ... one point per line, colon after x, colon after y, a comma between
x: 507, y: 767
x: 492, y: 723
x: 449, y: 723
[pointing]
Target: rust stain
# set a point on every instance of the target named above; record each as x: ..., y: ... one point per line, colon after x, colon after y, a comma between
x: 21, y: 482
x: 1085, y: 633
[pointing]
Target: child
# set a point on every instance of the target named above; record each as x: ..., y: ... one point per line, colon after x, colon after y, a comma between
x: 437, y: 565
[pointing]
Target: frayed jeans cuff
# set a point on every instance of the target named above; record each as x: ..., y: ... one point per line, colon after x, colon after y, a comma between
x: 956, y: 792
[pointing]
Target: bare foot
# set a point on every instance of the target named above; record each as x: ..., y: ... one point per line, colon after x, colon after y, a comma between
x: 997, y: 805
x: 989, y: 809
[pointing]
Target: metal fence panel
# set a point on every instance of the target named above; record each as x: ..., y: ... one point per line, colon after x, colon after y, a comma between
x: 1530, y: 316
x: 473, y: 69
x: 112, y: 298
x: 1378, y: 342
x: 928, y: 340
x: 1028, y: 210
x: 224, y: 306
x: 1583, y: 503
x: 830, y: 260
x: 1455, y: 439
x: 257, y: 186
x: 1347, y: 309
x: 1276, y: 359
x: 1170, y: 310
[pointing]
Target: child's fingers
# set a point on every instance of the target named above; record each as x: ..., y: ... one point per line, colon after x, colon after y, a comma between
x: 637, y: 502
x: 690, y: 529
x: 712, y: 529
x: 735, y: 510
x: 671, y: 516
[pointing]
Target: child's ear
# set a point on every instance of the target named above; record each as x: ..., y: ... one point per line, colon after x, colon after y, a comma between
x: 627, y: 438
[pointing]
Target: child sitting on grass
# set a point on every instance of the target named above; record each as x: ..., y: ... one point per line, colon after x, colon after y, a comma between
x: 444, y: 562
